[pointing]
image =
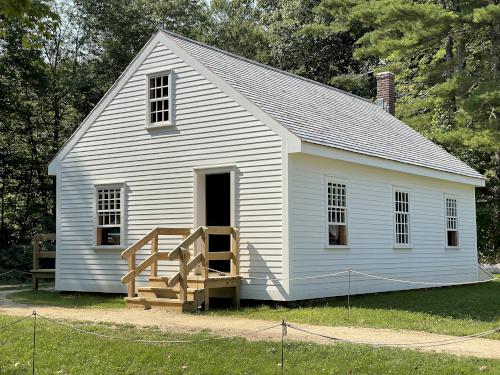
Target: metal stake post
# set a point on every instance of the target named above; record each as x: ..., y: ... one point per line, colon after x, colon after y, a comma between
x: 34, y: 342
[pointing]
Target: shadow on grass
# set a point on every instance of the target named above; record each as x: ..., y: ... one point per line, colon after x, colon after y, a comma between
x: 71, y: 300
x: 480, y: 302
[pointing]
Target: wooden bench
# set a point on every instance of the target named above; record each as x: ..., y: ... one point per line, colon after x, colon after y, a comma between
x: 38, y: 273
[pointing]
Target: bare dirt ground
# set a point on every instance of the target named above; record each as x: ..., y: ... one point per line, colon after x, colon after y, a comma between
x: 221, y: 326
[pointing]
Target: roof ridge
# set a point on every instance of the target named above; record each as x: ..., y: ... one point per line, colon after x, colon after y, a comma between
x: 264, y: 65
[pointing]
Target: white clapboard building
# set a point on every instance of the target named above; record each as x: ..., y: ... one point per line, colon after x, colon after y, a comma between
x: 312, y: 179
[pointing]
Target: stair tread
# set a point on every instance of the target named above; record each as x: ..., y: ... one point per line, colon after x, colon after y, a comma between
x: 165, y: 289
x: 153, y: 299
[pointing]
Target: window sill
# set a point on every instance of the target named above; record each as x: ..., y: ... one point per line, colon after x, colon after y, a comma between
x: 334, y: 247
x: 159, y: 125
x: 109, y: 247
x: 402, y: 247
x: 452, y: 247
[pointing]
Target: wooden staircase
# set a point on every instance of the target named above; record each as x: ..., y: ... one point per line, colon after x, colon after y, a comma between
x: 185, y: 290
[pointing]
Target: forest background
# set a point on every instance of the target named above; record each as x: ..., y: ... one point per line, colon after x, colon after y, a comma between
x: 58, y: 58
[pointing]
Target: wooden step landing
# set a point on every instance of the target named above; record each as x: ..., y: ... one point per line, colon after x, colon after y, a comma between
x: 174, y: 293
x: 167, y: 304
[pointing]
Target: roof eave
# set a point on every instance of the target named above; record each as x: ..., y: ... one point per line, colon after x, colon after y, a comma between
x: 378, y: 162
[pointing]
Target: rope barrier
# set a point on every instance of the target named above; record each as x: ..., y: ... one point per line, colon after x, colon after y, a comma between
x: 416, y: 282
x: 283, y: 325
x: 69, y: 326
x: 419, y: 345
x: 11, y: 271
x: 353, y: 271
x: 15, y: 322
x: 280, y: 279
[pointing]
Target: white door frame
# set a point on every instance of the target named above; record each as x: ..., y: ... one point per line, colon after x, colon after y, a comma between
x: 200, y: 191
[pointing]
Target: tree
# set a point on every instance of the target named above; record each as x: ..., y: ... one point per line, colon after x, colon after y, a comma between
x: 301, y: 41
x: 446, y: 56
x: 116, y: 30
x: 235, y: 27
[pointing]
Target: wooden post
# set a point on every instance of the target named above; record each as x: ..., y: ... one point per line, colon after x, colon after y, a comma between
x: 204, y: 251
x: 235, y: 249
x: 154, y: 249
x: 131, y: 283
x: 207, y: 297
x: 236, y: 297
x: 183, y: 276
x: 204, y: 270
x: 36, y: 255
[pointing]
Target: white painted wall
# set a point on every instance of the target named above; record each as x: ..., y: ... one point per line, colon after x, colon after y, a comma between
x: 370, y: 215
x: 157, y: 167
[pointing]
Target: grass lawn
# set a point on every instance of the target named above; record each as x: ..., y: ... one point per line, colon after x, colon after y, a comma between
x: 75, y: 300
x: 460, y: 310
x: 60, y: 351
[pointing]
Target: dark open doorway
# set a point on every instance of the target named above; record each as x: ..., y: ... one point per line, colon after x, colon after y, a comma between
x: 218, y: 211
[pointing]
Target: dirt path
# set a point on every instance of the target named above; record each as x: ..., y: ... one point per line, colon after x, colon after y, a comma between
x: 481, y: 348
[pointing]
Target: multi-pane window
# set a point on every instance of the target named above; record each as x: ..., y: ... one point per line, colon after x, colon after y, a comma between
x: 451, y: 222
x: 401, y: 217
x: 159, y: 99
x: 109, y: 208
x: 337, y: 214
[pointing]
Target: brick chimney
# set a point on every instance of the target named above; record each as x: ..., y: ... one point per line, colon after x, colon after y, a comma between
x: 386, y: 91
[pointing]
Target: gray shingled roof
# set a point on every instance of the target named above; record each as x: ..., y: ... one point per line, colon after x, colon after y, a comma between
x: 323, y: 115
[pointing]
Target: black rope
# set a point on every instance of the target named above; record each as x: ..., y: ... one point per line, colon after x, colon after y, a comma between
x: 449, y: 341
x: 15, y: 322
x: 69, y: 326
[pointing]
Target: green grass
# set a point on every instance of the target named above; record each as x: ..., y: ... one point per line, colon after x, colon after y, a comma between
x: 72, y: 300
x: 60, y: 351
x: 460, y: 310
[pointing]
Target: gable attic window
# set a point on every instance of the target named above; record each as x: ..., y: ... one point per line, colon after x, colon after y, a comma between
x: 401, y: 218
x: 336, y: 213
x: 451, y: 222
x: 160, y: 99
x: 109, y: 215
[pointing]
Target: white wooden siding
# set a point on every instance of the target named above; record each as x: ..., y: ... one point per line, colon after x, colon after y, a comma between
x: 157, y: 167
x: 371, y: 227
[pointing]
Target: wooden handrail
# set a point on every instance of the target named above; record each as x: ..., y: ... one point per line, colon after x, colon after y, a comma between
x: 188, y: 241
x: 180, y: 252
x: 139, y: 244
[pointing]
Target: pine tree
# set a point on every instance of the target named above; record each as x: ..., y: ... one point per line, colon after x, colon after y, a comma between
x: 445, y: 54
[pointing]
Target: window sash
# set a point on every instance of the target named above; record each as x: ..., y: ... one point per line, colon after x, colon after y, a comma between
x: 401, y: 217
x: 159, y: 98
x: 451, y: 214
x: 336, y: 211
x: 337, y: 203
x: 109, y: 205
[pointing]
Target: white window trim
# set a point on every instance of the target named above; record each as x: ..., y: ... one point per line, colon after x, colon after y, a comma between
x: 410, y: 226
x: 123, y: 215
x: 171, y: 100
x: 451, y: 196
x: 338, y: 180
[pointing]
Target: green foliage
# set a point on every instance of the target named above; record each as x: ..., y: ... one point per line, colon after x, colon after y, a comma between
x: 235, y: 26
x: 57, y: 60
x: 446, y: 57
